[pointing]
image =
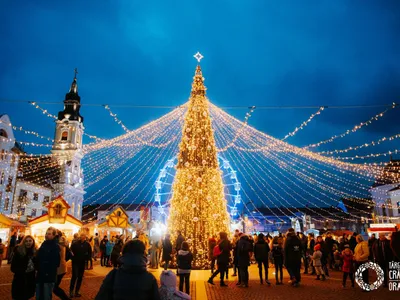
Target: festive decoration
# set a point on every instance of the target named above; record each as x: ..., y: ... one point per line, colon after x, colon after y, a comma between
x: 304, y: 124
x: 197, y: 222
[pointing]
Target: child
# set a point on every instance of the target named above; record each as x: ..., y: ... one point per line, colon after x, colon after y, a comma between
x: 184, y: 260
x: 317, y: 262
x: 168, y: 287
x: 347, y: 268
x: 338, y: 260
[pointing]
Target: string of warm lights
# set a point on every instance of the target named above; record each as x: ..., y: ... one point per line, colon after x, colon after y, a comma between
x: 31, y: 132
x: 354, y: 129
x: 116, y: 119
x: 353, y: 148
x: 388, y: 153
x: 271, y: 177
x: 304, y: 124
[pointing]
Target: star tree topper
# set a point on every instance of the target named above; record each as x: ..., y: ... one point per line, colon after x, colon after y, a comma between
x: 198, y: 56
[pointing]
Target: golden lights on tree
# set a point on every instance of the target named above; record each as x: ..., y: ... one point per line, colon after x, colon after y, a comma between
x: 198, y: 207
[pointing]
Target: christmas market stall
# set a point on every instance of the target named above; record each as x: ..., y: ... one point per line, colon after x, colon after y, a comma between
x: 58, y: 217
x: 115, y: 222
x: 8, y: 227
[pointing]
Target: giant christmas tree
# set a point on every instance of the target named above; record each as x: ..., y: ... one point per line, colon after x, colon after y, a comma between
x: 198, y: 206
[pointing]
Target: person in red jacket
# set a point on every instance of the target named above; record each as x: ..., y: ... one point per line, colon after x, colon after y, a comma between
x: 347, y: 268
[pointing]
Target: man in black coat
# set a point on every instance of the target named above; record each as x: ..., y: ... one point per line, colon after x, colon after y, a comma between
x: 82, y: 251
x: 166, y: 251
x: 47, y: 261
x: 179, y: 240
x: 310, y: 249
x: 383, y: 254
x: 244, y: 249
x: 292, y: 252
x: 103, y: 251
x: 261, y: 254
x: 132, y: 280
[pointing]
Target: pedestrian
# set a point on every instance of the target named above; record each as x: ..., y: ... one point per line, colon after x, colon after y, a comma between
x: 11, y: 246
x: 244, y: 249
x: 166, y: 251
x: 81, y: 251
x: 361, y: 254
x: 155, y: 253
x: 89, y: 260
x: 310, y: 250
x: 277, y: 254
x: 48, y: 260
x: 96, y: 248
x: 317, y: 255
x: 395, y: 245
x: 371, y: 242
x: 382, y: 255
x: 116, y: 252
x: 103, y: 252
x: 179, y: 240
x: 353, y: 241
x: 23, y: 267
x: 304, y: 253
x: 212, y: 242
x: 348, y: 265
x: 261, y: 254
x: 109, y: 248
x: 184, y: 261
x: 65, y: 255
x: 168, y: 289
x: 222, y: 252
x: 131, y: 280
x: 234, y: 247
x: 329, y: 242
x: 292, y: 251
x: 324, y: 251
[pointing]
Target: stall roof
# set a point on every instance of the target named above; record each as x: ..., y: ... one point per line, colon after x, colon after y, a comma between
x: 45, y: 217
x: 10, y: 222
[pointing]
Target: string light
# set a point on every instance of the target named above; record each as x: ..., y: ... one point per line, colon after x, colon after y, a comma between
x: 353, y: 148
x: 116, y: 119
x: 354, y: 129
x: 304, y: 124
x: 388, y: 153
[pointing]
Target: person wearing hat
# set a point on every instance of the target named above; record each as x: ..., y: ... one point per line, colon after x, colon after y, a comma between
x: 168, y: 289
x: 317, y: 255
x: 347, y: 268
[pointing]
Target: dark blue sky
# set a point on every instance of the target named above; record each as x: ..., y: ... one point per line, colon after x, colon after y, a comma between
x: 257, y: 53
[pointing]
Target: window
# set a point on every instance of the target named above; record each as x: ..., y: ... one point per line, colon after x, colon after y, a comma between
x: 36, y: 196
x: 1, y: 198
x: 22, y: 211
x: 13, y: 161
x: 64, y: 136
x: 1, y: 177
x: 3, y: 133
x: 384, y: 214
x: 23, y: 193
x: 46, y: 199
x: 9, y: 184
x: 6, y: 203
x: 2, y: 154
x: 44, y: 212
x: 57, y: 210
x: 33, y: 212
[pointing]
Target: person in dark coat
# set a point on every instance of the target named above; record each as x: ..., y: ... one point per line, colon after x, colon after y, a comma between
x: 395, y: 245
x: 329, y: 242
x: 244, y: 252
x: 184, y: 261
x: 116, y: 252
x: 224, y: 249
x: 261, y: 254
x: 353, y: 242
x: 382, y: 254
x: 81, y: 251
x: 371, y: 242
x: 103, y: 252
x: 23, y: 284
x: 167, y: 251
x: 47, y: 262
x: 179, y: 240
x: 278, y: 255
x: 11, y: 246
x: 310, y: 250
x: 292, y: 252
x: 131, y: 280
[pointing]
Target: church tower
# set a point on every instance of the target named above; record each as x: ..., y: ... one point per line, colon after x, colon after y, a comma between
x: 67, y: 150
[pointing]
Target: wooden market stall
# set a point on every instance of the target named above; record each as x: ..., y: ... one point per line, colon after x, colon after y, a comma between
x: 113, y: 224
x: 7, y: 227
x: 58, y: 217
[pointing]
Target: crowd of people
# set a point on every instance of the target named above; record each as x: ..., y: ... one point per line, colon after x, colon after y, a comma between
x: 40, y: 271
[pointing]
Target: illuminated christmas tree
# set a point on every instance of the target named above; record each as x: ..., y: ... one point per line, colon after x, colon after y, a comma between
x: 198, y: 206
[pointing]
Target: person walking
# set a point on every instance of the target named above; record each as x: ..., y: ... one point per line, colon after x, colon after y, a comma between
x: 131, y: 280
x: 166, y: 251
x: 361, y: 254
x: 222, y: 252
x: 65, y: 255
x: 310, y: 250
x: 11, y: 246
x: 184, y: 260
x: 234, y: 254
x: 22, y: 265
x: 292, y: 251
x: 212, y: 242
x: 81, y: 250
x: 324, y: 258
x: 89, y: 260
x: 382, y: 255
x: 244, y: 249
x: 179, y: 240
x: 116, y: 252
x: 103, y: 252
x: 48, y: 260
x: 96, y: 248
x: 277, y: 254
x: 261, y: 254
